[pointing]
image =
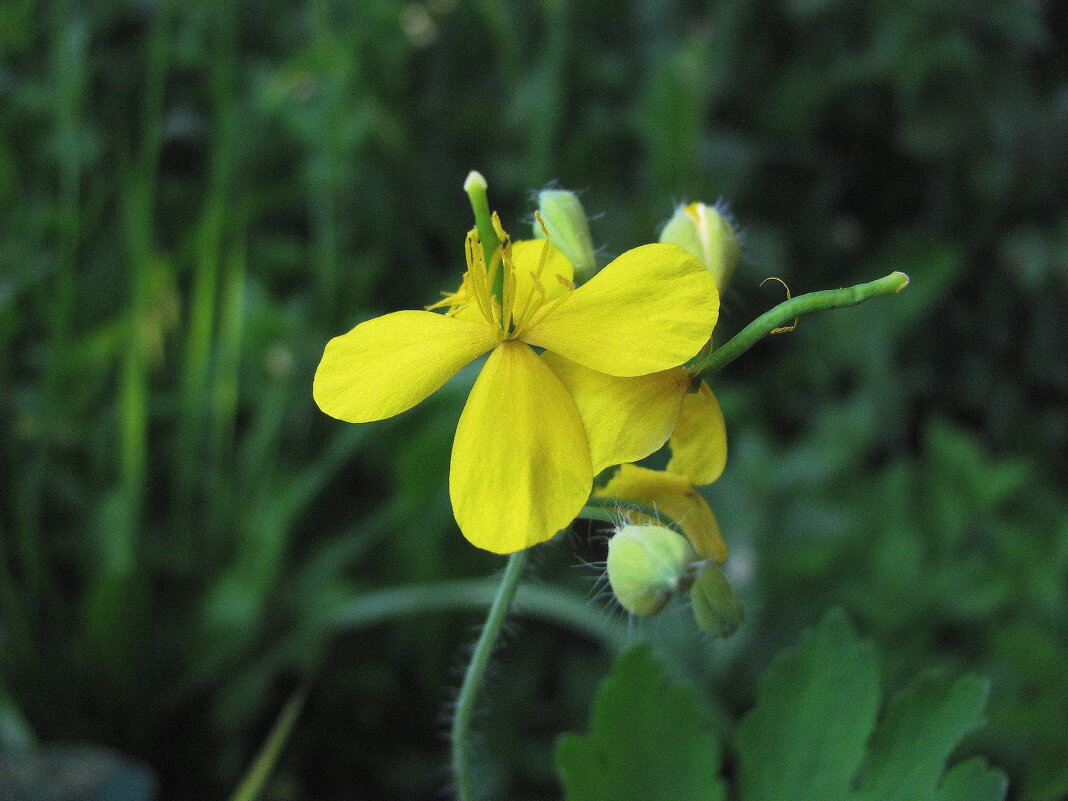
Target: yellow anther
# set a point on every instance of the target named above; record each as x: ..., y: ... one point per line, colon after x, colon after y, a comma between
x: 541, y: 224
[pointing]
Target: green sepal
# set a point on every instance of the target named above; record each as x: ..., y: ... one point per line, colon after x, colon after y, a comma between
x: 716, y: 608
x: 569, y: 231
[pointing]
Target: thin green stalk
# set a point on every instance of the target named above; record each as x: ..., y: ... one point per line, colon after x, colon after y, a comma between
x: 209, y: 252
x: 541, y: 135
x: 141, y: 199
x: 227, y: 380
x: 790, y: 310
x: 543, y: 603
x: 146, y: 171
x: 505, y: 37
x: 255, y: 781
x: 476, y: 671
x: 112, y: 622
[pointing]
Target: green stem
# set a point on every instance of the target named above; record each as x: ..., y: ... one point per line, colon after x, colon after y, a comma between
x: 786, y: 312
x: 476, y: 671
x: 543, y: 603
x: 255, y: 781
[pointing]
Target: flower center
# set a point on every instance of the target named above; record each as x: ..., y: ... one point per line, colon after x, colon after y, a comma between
x: 506, y: 300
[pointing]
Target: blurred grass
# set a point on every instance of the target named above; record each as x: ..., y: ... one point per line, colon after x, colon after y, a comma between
x: 194, y: 199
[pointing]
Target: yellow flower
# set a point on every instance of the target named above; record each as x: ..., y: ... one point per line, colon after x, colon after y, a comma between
x: 521, y: 468
x: 628, y: 418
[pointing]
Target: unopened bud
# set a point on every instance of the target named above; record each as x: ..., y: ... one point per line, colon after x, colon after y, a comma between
x: 647, y: 565
x: 565, y: 221
x: 716, y: 608
x: 705, y: 233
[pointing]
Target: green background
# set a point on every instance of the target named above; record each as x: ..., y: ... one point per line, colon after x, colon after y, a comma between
x: 195, y: 197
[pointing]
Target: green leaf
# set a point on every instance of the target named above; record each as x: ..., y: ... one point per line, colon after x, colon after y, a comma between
x: 648, y: 741
x: 973, y: 781
x: 815, y: 708
x: 916, y: 736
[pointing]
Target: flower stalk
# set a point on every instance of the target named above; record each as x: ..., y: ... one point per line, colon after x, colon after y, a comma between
x: 476, y: 672
x: 788, y: 310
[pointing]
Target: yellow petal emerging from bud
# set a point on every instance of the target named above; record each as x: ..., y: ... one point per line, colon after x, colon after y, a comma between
x: 675, y: 497
x: 706, y: 234
x: 565, y: 221
x: 647, y: 565
x: 716, y: 608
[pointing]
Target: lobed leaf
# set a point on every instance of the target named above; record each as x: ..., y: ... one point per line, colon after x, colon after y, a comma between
x: 648, y: 740
x: 916, y: 736
x: 815, y: 709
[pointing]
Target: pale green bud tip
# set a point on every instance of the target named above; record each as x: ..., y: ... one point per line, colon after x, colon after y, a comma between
x: 716, y: 608
x: 566, y: 225
x: 647, y: 565
x: 704, y: 232
x: 475, y: 180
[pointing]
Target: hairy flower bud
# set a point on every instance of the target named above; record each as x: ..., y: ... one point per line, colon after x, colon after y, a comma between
x: 705, y: 233
x: 716, y: 608
x: 565, y: 220
x: 647, y: 565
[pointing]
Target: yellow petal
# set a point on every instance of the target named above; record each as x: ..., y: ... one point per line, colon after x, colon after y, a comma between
x: 387, y: 365
x: 649, y: 310
x: 699, y: 444
x: 675, y: 497
x: 520, y: 463
x: 626, y: 419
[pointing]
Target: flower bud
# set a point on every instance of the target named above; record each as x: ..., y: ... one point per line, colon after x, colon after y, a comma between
x: 716, y: 608
x: 565, y: 220
x: 705, y: 233
x: 647, y: 565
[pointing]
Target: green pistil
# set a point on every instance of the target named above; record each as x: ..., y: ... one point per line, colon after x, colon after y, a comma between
x: 475, y: 186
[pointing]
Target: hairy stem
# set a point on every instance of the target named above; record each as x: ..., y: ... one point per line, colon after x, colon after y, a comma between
x: 476, y: 671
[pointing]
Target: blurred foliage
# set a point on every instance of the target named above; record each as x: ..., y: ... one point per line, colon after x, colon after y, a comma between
x: 196, y: 197
x: 813, y: 733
